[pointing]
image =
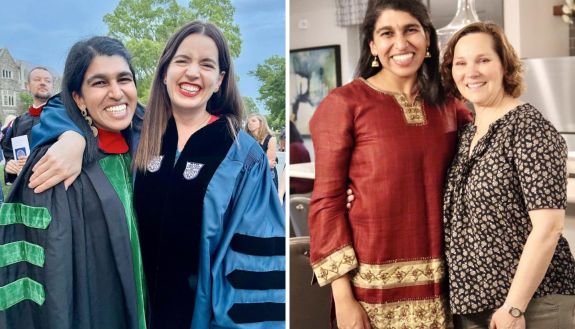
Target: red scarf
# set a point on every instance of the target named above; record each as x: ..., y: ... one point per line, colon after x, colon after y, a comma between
x: 35, y: 111
x: 111, y: 142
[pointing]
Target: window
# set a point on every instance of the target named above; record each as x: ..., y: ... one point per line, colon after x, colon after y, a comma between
x: 8, y: 98
x: 7, y: 74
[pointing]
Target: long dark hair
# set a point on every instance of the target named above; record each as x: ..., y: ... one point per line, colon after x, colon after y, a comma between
x: 226, y: 102
x: 79, y: 59
x: 428, y: 77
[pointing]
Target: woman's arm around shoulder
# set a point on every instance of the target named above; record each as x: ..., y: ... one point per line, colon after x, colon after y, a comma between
x: 63, y: 160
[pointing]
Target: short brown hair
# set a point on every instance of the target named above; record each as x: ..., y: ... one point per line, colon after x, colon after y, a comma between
x: 512, y: 67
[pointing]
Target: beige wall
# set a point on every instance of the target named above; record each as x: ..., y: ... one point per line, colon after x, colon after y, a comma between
x: 319, y: 17
x: 533, y: 30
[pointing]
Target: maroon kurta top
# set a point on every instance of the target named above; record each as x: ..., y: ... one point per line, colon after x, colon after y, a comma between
x: 392, y: 239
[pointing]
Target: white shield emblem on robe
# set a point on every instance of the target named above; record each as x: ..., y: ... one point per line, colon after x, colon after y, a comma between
x: 155, y: 164
x: 192, y: 170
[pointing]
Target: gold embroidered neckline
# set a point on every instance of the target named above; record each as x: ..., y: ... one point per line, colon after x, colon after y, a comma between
x: 413, y: 113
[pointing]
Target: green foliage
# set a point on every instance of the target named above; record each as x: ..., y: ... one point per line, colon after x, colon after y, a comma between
x: 25, y: 101
x: 221, y: 13
x: 271, y: 75
x: 144, y: 26
x: 250, y: 105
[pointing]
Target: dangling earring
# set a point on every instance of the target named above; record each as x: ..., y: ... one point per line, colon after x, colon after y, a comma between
x: 427, y: 53
x: 88, y: 119
x: 375, y: 62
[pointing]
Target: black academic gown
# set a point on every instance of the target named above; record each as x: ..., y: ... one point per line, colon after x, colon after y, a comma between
x: 66, y: 258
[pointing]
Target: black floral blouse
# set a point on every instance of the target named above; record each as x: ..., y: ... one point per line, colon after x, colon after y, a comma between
x: 517, y: 166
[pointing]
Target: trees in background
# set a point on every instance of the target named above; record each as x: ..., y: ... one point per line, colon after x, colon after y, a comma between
x: 250, y: 105
x: 271, y: 74
x: 144, y: 26
x: 25, y: 101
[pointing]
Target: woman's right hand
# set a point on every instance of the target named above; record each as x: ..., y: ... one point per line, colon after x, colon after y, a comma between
x: 62, y: 162
x: 351, y: 315
x: 348, y: 312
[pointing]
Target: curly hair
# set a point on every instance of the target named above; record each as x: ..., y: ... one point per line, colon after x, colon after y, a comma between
x: 512, y: 67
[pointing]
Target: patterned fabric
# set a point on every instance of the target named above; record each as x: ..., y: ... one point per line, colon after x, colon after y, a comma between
x: 518, y: 166
x: 350, y: 12
x: 335, y: 265
x: 390, y: 242
x: 399, y: 274
x: 408, y: 314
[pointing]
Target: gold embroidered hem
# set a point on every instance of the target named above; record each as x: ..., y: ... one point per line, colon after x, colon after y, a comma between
x: 335, y: 265
x: 399, y: 274
x: 411, y: 314
x: 413, y: 113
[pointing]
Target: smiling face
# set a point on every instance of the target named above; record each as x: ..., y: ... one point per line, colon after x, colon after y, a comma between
x: 108, y: 93
x: 193, y: 74
x: 40, y: 85
x: 400, y: 43
x: 477, y: 70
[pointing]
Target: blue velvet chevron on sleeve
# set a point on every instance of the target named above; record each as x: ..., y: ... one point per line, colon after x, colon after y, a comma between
x: 242, y: 262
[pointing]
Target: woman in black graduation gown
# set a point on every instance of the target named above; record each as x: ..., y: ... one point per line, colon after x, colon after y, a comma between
x: 70, y: 258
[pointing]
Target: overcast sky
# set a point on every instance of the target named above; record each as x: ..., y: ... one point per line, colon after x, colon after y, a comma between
x: 42, y: 32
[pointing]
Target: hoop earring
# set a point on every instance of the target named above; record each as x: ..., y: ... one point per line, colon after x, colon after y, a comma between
x: 89, y: 120
x: 375, y: 62
x: 427, y: 53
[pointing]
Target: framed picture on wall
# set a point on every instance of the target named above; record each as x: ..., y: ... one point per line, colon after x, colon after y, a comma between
x: 313, y: 73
